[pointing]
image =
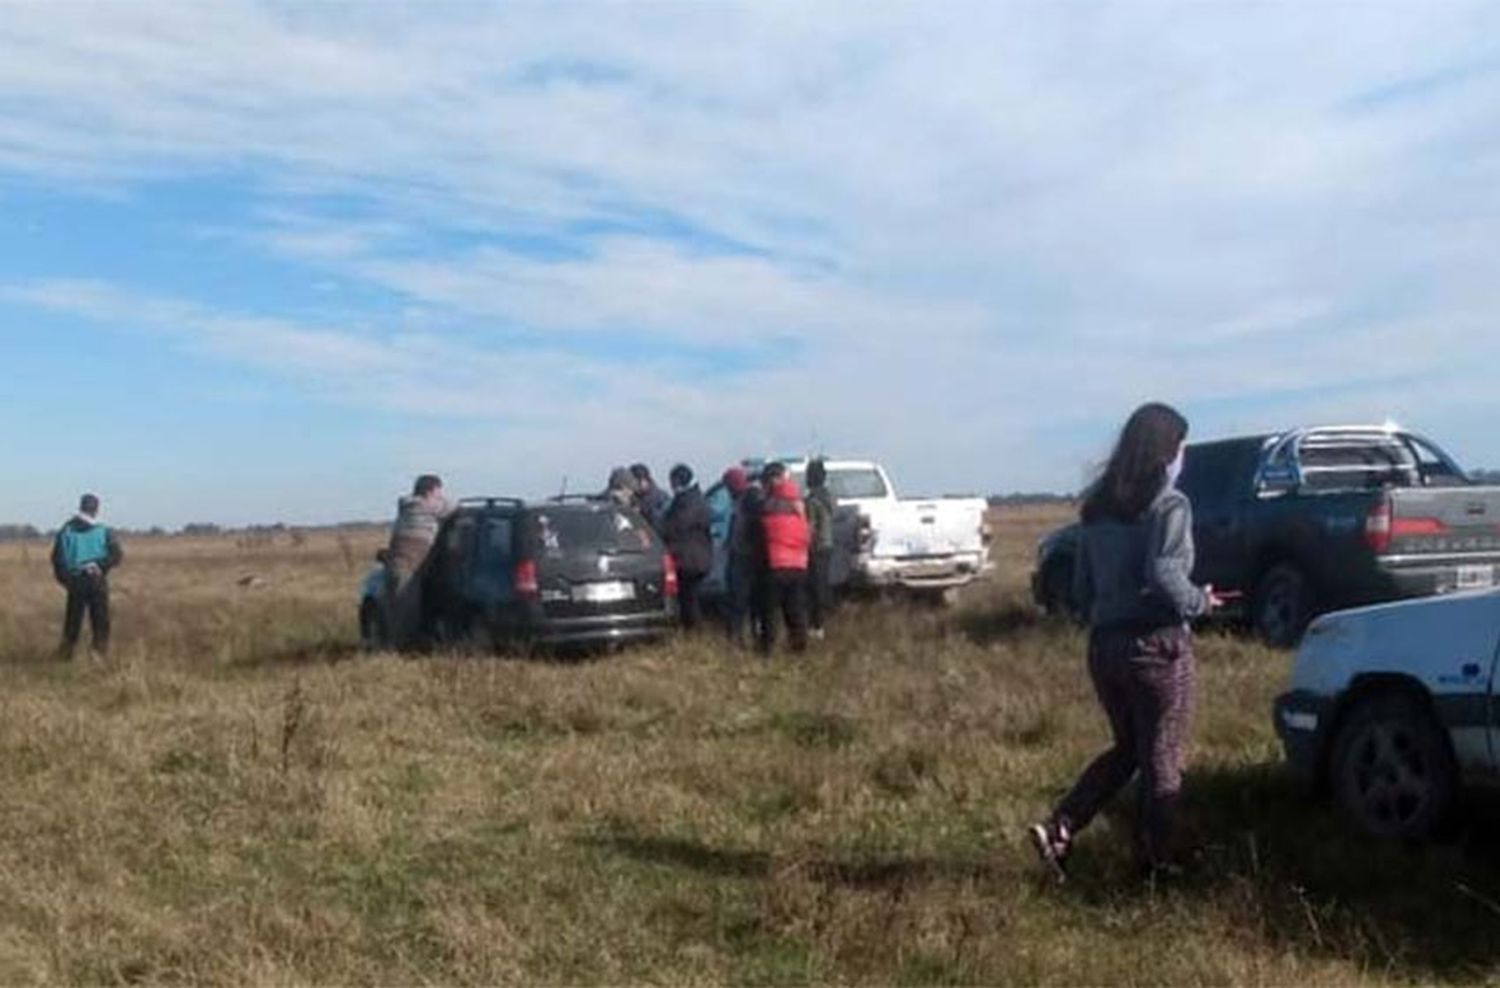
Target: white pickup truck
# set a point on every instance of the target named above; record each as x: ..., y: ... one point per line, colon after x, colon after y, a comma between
x: 931, y: 546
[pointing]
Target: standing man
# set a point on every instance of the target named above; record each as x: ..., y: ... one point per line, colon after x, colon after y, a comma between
x: 418, y: 518
x: 783, y: 522
x: 821, y: 506
x: 653, y: 500
x: 685, y: 529
x: 743, y: 549
x: 82, y: 555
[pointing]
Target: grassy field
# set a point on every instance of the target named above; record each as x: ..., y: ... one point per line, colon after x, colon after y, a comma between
x: 238, y: 796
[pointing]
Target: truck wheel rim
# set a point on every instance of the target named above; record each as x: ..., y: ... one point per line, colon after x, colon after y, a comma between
x: 1390, y: 776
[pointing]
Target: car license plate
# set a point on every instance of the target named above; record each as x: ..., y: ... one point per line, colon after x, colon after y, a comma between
x: 604, y: 593
x: 1476, y: 577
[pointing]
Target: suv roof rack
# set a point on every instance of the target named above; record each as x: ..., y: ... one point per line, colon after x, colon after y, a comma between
x: 577, y: 499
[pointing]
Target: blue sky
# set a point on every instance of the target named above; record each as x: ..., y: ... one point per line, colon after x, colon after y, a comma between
x: 266, y: 261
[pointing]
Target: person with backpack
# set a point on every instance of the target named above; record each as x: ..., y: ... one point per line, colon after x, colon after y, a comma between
x: 1132, y: 579
x: 83, y: 554
x: 821, y: 506
x: 783, y: 527
x: 685, y: 530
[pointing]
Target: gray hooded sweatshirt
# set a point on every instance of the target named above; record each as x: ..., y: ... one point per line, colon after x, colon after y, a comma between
x: 1140, y: 574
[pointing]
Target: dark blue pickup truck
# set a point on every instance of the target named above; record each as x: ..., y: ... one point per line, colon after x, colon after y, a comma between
x: 1297, y: 523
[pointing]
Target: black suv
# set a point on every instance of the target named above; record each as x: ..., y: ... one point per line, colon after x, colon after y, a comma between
x: 508, y: 574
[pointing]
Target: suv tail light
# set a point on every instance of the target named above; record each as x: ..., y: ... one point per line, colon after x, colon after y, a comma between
x: 526, y: 580
x: 668, y: 575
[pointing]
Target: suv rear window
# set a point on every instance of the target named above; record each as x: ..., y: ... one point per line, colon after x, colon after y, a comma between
x: 569, y: 530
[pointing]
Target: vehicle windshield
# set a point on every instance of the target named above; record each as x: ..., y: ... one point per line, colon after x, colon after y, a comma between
x: 566, y: 531
x: 848, y: 483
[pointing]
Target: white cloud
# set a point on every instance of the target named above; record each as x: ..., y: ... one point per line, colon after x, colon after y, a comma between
x: 978, y: 226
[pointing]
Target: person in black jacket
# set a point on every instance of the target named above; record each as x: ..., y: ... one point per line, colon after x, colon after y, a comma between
x: 684, y: 527
x: 744, y: 562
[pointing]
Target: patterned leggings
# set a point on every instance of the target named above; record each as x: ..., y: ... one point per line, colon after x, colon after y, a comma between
x: 1145, y: 685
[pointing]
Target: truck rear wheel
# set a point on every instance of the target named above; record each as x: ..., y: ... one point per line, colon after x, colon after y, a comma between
x: 1057, y: 587
x: 1282, y: 607
x: 1391, y: 768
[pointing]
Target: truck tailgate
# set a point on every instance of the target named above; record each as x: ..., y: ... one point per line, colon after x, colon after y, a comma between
x: 938, y: 527
x: 1443, y: 524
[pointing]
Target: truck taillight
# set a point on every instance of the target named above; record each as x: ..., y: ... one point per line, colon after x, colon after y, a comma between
x: 1381, y: 528
x: 669, y: 575
x: 986, y: 530
x: 526, y: 583
x: 1378, y: 526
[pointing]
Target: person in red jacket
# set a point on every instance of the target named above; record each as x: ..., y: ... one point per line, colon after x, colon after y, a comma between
x: 783, y: 526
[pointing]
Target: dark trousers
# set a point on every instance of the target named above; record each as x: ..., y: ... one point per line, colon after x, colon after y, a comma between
x: 689, y: 600
x: 91, y: 595
x: 1145, y: 685
x: 741, y: 599
x: 784, y: 590
x: 819, y: 589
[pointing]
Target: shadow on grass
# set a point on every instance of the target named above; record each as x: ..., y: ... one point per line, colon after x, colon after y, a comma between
x: 986, y: 627
x: 1287, y: 865
x: 853, y: 873
x: 316, y: 652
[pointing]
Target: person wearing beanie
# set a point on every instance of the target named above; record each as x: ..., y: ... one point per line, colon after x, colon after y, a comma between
x: 685, y: 529
x: 83, y: 554
x: 784, y: 531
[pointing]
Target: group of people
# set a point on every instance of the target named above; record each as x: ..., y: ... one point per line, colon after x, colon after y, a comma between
x: 1133, y: 579
x: 777, y: 554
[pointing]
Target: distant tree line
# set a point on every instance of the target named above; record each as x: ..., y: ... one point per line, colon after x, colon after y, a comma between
x: 1485, y: 476
x: 1030, y: 497
x: 199, y: 529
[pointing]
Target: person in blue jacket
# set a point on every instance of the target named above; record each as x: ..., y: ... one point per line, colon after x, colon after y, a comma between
x: 83, y: 554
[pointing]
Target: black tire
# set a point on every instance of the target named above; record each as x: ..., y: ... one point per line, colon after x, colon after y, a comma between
x: 1057, y: 587
x: 1282, y: 607
x: 1391, y: 770
x: 373, y: 636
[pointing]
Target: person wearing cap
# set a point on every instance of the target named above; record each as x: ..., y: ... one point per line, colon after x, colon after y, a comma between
x: 652, y: 500
x: 83, y: 553
x: 821, y: 506
x: 743, y: 566
x: 784, y: 531
x: 418, y: 518
x: 685, y: 530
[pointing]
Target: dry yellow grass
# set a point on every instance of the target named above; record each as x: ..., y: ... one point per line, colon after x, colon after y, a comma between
x: 237, y: 796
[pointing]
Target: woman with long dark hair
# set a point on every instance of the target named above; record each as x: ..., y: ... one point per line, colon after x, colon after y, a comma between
x: 1132, y: 579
